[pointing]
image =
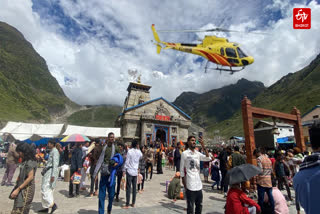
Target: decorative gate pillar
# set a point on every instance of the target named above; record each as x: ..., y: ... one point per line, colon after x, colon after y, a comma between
x: 249, y: 112
x: 247, y: 119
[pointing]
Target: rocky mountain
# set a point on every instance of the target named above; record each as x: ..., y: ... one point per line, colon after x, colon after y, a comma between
x: 217, y: 105
x: 28, y: 92
x: 300, y: 89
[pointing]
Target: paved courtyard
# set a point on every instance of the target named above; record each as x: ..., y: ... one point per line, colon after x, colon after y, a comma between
x: 152, y: 200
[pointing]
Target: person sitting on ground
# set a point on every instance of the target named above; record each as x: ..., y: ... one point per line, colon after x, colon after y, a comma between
x: 280, y: 203
x: 174, y: 187
x: 239, y: 203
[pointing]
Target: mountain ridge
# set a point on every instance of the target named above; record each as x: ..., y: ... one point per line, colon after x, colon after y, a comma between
x: 300, y: 89
x: 217, y: 104
x: 28, y: 91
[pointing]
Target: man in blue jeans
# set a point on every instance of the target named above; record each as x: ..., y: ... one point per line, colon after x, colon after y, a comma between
x: 264, y: 184
x: 131, y: 170
x: 109, y: 150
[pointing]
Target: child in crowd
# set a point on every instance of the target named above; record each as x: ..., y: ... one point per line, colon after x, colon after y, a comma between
x: 215, y: 175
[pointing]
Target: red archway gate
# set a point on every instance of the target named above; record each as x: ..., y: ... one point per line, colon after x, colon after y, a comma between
x: 249, y: 112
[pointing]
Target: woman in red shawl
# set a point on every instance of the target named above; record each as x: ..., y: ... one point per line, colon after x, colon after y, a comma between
x: 239, y: 203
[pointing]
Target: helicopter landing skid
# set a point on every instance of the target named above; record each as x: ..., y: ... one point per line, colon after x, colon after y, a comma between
x: 221, y: 68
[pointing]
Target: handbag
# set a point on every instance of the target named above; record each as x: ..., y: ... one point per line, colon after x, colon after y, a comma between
x: 14, y: 188
x: 76, y: 178
x: 123, y: 183
x: 45, y: 170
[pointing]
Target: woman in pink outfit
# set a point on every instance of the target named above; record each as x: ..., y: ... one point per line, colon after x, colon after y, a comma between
x: 280, y: 203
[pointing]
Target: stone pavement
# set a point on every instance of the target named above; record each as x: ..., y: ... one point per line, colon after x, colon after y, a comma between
x: 152, y: 201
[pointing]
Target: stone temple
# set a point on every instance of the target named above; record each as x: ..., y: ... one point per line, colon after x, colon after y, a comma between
x: 149, y: 120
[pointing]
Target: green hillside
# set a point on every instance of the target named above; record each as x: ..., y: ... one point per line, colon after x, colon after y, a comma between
x: 300, y: 89
x: 219, y: 104
x: 100, y: 116
x: 27, y: 89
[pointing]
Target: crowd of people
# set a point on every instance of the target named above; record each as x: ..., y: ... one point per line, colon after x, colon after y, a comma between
x: 127, y: 167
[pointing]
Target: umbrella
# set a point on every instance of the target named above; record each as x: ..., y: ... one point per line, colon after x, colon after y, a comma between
x: 75, y: 138
x: 242, y: 173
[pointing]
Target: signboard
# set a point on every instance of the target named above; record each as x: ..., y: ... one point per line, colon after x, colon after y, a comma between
x: 162, y: 117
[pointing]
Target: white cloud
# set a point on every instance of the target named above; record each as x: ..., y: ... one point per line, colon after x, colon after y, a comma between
x: 98, y: 65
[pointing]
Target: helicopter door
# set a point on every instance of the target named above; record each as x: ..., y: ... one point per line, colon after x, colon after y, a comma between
x: 232, y: 56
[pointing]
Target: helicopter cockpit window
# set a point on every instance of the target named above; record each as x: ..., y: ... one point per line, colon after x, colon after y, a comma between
x: 222, y: 51
x: 231, y: 52
x: 241, y: 53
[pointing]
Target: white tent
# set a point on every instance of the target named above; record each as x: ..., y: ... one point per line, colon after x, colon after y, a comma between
x: 23, y: 131
x: 91, y: 131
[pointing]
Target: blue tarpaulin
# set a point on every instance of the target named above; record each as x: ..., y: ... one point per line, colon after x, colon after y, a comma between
x: 237, y: 138
x: 284, y: 140
x: 45, y: 141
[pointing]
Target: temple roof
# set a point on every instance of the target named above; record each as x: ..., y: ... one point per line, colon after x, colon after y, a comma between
x: 159, y: 98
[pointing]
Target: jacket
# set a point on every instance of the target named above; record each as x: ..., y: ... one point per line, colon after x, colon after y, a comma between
x: 215, y: 174
x: 150, y: 154
x: 76, y: 159
x: 307, y: 184
x: 223, y: 157
x: 142, y: 165
x: 117, y: 158
x: 177, y: 155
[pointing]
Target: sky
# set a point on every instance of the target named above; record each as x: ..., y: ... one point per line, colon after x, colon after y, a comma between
x: 95, y: 48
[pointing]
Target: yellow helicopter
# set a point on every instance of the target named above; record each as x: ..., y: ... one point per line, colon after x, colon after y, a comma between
x: 227, y: 55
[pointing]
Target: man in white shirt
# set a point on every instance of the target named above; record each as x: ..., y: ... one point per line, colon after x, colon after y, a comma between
x: 131, y: 169
x: 190, y: 163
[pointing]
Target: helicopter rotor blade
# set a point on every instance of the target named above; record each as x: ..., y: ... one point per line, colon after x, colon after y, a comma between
x: 207, y: 30
x: 231, y: 31
x: 179, y: 31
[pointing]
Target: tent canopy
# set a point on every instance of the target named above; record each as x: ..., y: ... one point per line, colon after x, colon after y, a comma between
x: 91, y: 131
x: 23, y: 131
